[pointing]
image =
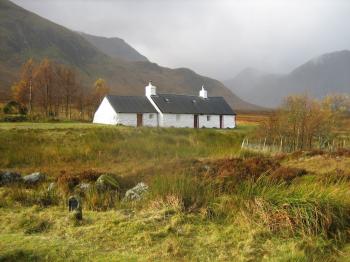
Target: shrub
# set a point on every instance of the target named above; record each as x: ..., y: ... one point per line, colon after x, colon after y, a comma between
x: 228, y: 173
x: 286, y: 174
x: 13, y: 107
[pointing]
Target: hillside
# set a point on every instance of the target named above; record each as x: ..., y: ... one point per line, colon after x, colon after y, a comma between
x: 328, y: 73
x: 24, y: 34
x: 114, y: 47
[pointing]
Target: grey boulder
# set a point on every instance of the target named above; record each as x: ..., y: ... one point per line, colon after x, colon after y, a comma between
x: 9, y: 178
x: 34, y: 178
x: 136, y: 193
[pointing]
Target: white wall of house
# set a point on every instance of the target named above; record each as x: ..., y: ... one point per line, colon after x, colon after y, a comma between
x: 105, y: 114
x: 150, y: 119
x: 229, y: 121
x: 209, y: 121
x: 126, y: 119
x: 176, y: 120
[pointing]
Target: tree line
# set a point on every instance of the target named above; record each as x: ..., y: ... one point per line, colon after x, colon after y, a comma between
x: 49, y: 89
x: 305, y: 123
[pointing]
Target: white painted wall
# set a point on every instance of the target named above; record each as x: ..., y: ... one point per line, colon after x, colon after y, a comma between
x: 229, y: 121
x: 126, y: 119
x: 171, y: 120
x: 105, y: 114
x: 214, y: 121
x: 150, y: 119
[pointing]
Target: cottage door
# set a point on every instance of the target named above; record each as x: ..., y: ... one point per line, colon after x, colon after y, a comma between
x: 139, y: 119
x: 221, y: 121
x: 195, y: 124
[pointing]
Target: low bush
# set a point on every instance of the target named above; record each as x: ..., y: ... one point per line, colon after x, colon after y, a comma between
x: 286, y: 174
x: 228, y: 173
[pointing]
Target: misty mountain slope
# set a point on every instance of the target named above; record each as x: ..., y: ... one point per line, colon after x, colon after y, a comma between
x: 326, y: 74
x: 114, y: 47
x: 24, y: 35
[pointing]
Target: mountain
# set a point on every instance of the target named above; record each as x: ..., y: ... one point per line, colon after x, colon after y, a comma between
x: 114, y: 47
x: 326, y: 74
x: 24, y: 34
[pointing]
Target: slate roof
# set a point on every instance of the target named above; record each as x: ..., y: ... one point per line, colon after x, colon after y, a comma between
x: 131, y: 104
x: 182, y: 104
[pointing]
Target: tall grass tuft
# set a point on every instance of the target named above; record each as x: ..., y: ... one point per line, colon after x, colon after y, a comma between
x: 193, y: 191
x: 99, y: 200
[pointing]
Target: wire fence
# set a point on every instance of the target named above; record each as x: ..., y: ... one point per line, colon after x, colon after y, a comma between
x: 282, y: 145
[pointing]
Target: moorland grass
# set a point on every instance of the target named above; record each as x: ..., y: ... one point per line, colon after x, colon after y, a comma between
x: 202, y: 205
x: 83, y: 145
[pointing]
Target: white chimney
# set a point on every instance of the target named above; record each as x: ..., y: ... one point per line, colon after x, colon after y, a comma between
x: 151, y: 89
x: 203, y: 93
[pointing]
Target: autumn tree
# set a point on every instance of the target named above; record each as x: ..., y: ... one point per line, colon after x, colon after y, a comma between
x: 23, y: 89
x: 301, y: 122
x: 99, y: 91
x: 69, y: 86
x: 45, y: 82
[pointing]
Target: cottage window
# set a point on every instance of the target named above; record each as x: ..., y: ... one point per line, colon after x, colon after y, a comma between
x: 178, y: 117
x: 151, y: 116
x: 208, y: 118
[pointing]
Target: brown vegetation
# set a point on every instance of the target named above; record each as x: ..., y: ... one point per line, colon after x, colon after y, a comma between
x: 302, y: 123
x: 52, y: 90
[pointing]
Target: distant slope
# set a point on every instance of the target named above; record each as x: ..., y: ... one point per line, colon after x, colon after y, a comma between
x: 24, y: 35
x: 114, y: 47
x: 328, y: 73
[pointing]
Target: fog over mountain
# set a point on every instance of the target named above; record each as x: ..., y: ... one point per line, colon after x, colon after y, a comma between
x: 214, y: 38
x: 318, y: 77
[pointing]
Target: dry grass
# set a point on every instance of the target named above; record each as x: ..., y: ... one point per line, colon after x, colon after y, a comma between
x: 205, y: 202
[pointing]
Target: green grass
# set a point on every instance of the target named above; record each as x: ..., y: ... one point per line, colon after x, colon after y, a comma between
x: 189, y: 214
x: 58, y: 146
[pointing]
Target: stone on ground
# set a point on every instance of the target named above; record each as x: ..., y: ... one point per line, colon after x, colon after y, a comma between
x: 34, y: 178
x: 9, y: 178
x: 136, y: 193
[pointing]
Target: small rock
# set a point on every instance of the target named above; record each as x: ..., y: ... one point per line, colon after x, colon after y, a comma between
x: 106, y: 182
x: 9, y: 178
x: 136, y: 193
x: 34, y: 178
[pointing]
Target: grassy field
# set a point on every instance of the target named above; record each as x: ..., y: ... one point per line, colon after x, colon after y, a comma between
x: 207, y: 200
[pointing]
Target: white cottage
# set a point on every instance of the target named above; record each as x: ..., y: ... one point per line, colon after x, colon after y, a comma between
x: 166, y: 110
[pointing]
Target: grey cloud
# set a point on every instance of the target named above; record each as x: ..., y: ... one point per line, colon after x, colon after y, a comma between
x: 215, y: 38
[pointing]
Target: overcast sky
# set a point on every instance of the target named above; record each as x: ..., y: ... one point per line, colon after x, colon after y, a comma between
x: 215, y: 38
